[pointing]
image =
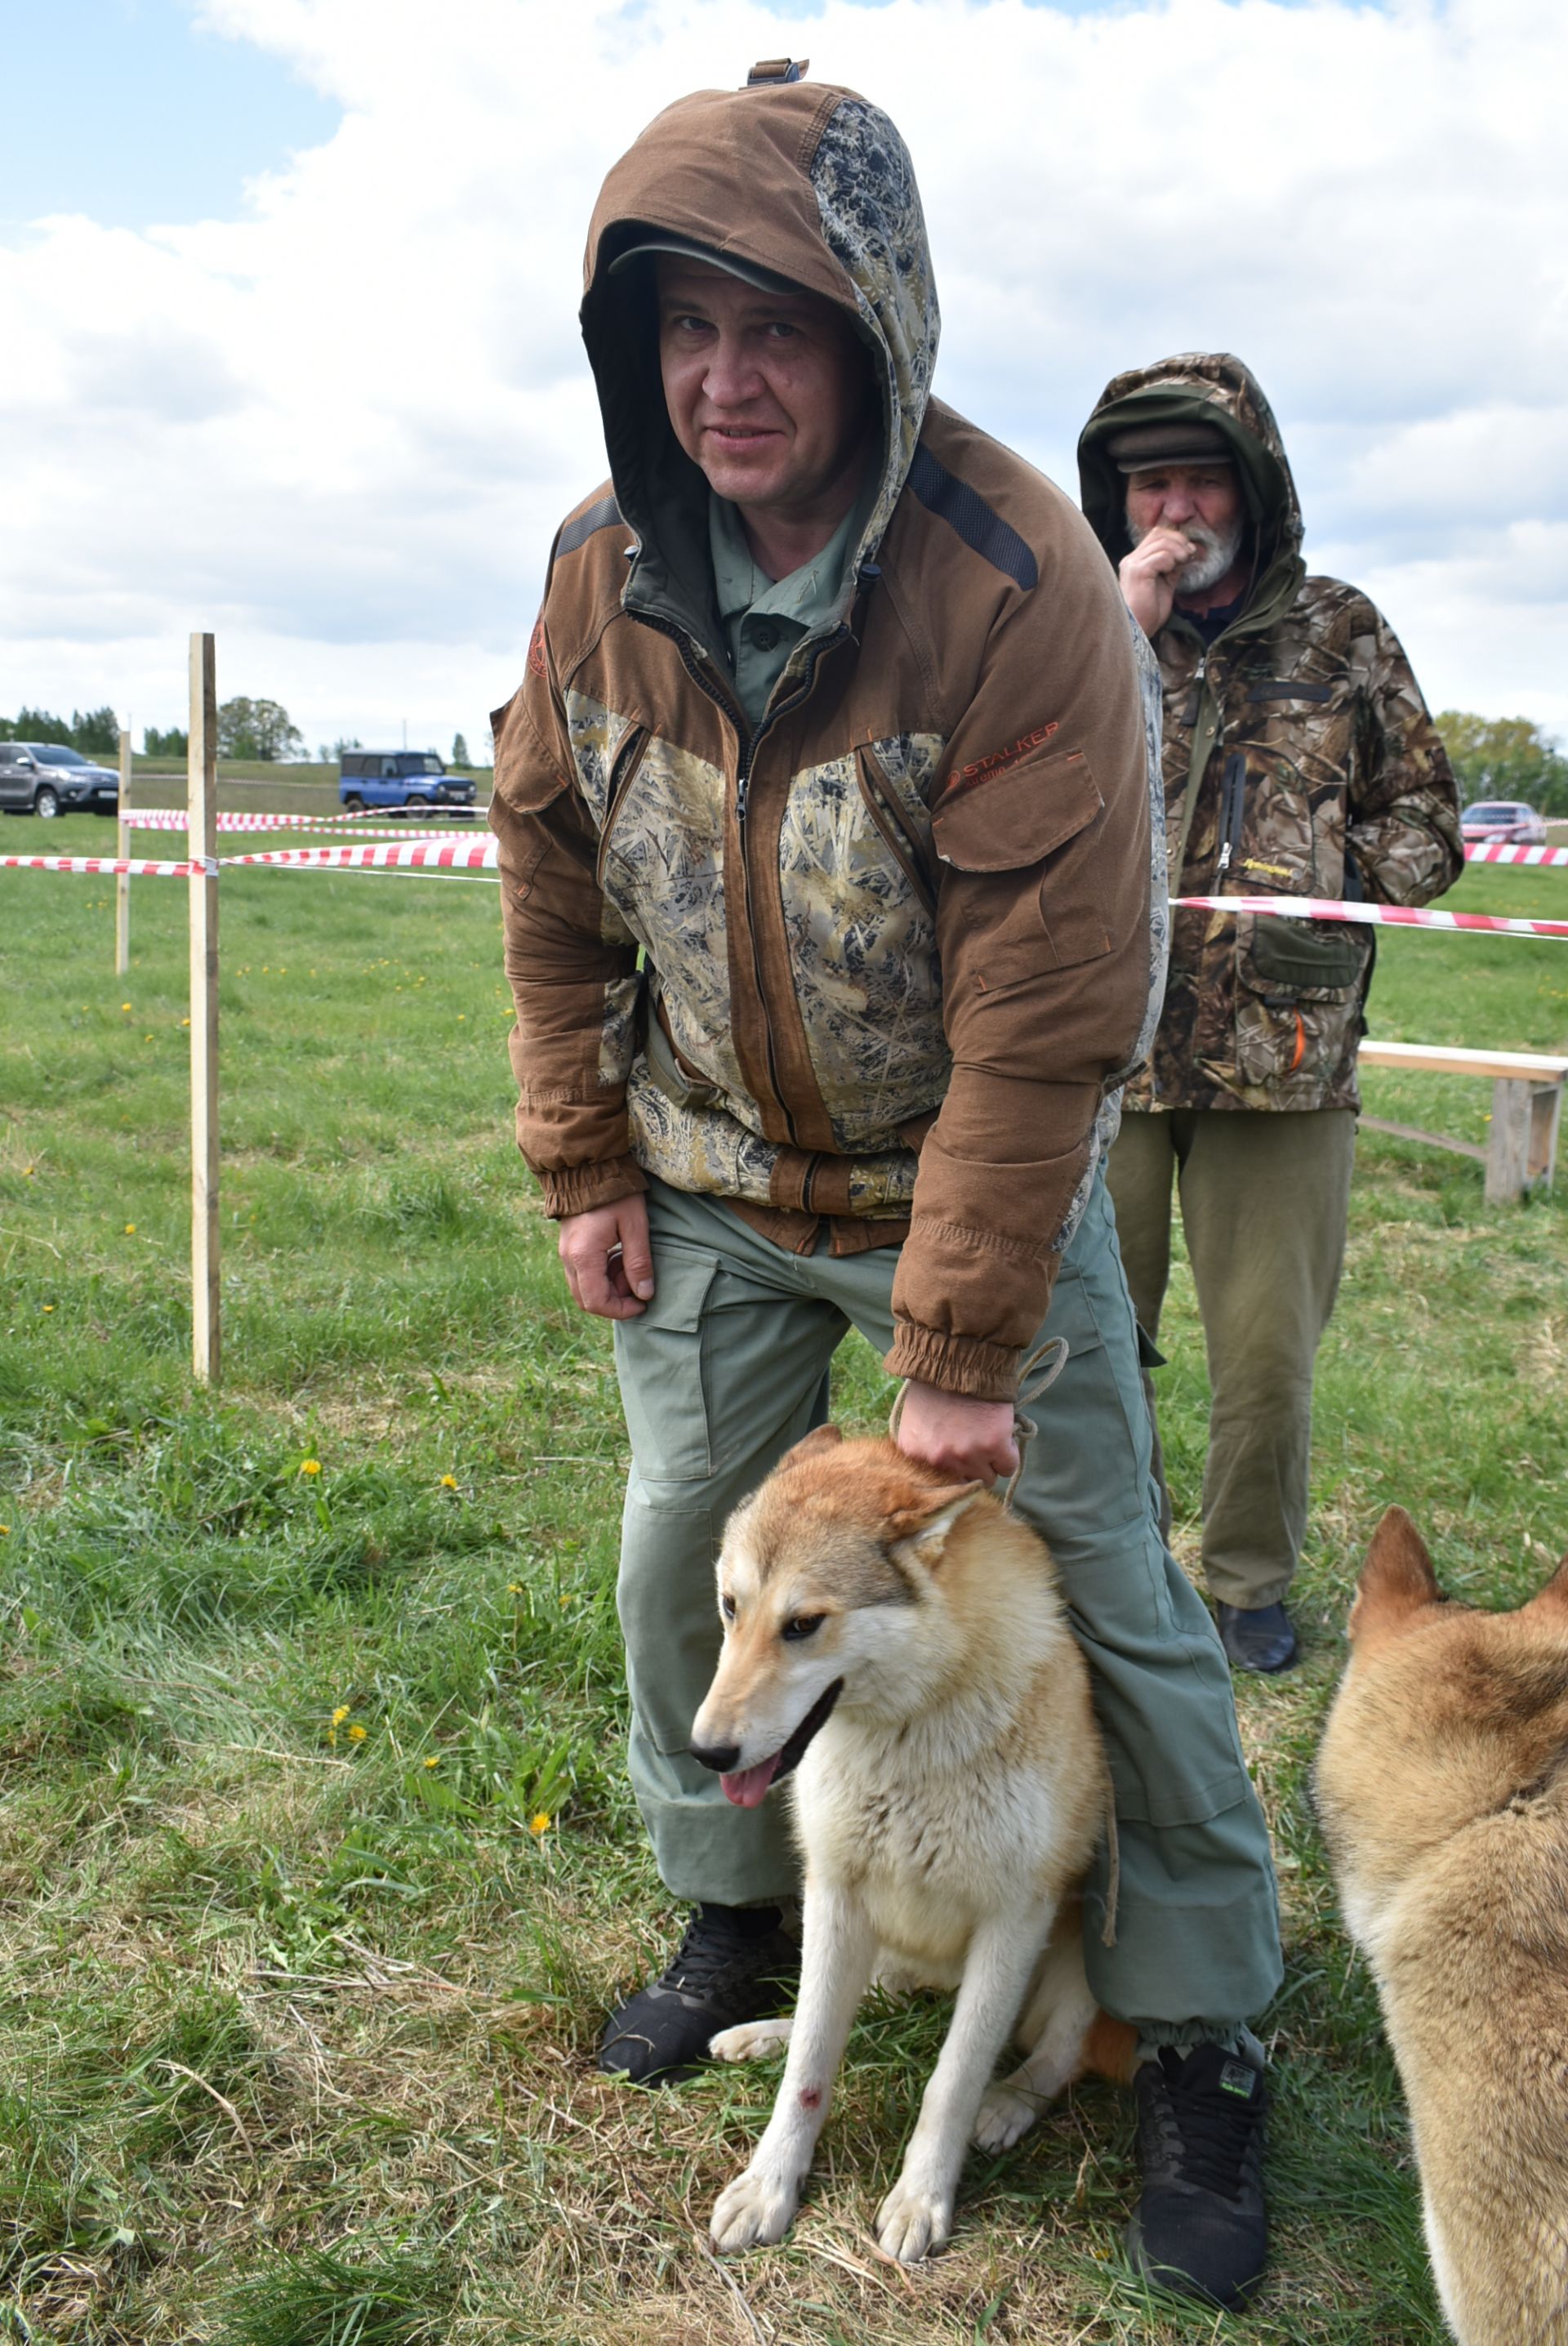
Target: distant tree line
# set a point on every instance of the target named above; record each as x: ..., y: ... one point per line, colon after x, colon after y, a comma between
x: 95, y: 731
x: 1505, y: 758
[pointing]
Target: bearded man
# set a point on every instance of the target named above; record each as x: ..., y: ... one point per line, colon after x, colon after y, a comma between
x: 1299, y: 759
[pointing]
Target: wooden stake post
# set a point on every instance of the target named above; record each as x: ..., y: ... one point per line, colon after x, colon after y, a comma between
x: 122, y: 850
x: 202, y: 849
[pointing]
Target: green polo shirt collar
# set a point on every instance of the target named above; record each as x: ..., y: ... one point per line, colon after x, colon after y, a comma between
x: 763, y: 619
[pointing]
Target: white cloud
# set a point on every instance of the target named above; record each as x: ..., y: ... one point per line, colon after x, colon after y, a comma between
x: 340, y: 428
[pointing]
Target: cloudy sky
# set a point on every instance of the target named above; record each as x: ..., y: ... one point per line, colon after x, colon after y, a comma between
x: 287, y: 295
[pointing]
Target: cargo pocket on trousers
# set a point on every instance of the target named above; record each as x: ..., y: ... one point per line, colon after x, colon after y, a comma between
x: 668, y: 1615
x: 661, y: 1359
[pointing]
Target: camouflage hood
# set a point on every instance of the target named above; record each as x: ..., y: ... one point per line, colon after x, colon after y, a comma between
x: 1202, y: 388
x: 832, y: 206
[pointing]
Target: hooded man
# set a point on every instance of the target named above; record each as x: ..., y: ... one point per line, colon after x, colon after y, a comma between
x: 1300, y: 760
x: 834, y: 917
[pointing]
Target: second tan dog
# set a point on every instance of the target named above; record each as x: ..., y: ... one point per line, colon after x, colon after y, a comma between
x: 1442, y: 1788
x: 899, y: 1643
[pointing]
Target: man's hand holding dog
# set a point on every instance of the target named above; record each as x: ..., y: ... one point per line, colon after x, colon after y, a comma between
x: 970, y: 1439
x: 607, y: 1258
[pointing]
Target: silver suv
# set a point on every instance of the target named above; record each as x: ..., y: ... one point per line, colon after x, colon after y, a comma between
x: 41, y: 778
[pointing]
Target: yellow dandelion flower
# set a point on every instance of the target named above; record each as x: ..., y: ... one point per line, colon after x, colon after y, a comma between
x: 5, y: 1531
x: 356, y: 1735
x: 124, y: 1005
x: 539, y: 1824
x: 341, y: 1713
x: 48, y: 1307
x: 449, y: 1482
x: 434, y: 1760
x: 309, y: 1466
x: 566, y: 1597
x: 130, y: 1229
x: 515, y: 1589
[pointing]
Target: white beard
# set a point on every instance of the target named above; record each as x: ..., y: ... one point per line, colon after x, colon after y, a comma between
x: 1216, y: 553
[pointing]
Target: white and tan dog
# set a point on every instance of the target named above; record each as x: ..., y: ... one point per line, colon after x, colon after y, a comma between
x: 899, y: 1644
x: 1442, y: 1789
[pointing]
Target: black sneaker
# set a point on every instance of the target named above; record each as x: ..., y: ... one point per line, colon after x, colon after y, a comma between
x: 733, y: 1963
x: 1257, y: 1637
x: 1200, y: 2226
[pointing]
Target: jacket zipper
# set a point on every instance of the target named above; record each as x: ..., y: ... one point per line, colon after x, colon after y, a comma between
x: 1189, y: 716
x: 623, y: 774
x: 742, y: 802
x: 887, y: 819
x: 1232, y: 796
x: 748, y: 752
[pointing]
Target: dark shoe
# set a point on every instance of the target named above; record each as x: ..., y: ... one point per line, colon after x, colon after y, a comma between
x: 1258, y: 1640
x: 1200, y: 2227
x: 734, y: 1963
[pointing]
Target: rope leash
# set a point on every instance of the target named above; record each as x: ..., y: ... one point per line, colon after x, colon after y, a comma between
x: 1025, y: 1428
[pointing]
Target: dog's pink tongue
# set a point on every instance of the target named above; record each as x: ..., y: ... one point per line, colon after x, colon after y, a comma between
x: 748, y: 1786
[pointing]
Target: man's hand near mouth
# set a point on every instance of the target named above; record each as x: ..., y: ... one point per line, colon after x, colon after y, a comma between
x: 1149, y: 573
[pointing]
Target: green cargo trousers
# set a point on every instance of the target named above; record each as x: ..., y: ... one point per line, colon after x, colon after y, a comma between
x: 1265, y: 1195
x: 726, y: 1368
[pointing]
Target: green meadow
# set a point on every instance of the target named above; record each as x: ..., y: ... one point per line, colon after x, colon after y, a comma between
x: 318, y: 1868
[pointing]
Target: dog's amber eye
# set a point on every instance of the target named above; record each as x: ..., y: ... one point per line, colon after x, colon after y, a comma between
x: 804, y: 1625
x: 727, y: 1605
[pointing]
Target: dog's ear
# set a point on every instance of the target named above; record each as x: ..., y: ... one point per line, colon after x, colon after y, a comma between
x: 1397, y: 1579
x: 1553, y: 1597
x: 920, y: 1529
x: 812, y: 1444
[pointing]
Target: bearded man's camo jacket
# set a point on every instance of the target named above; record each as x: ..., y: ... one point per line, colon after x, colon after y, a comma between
x: 888, y: 958
x: 1299, y: 759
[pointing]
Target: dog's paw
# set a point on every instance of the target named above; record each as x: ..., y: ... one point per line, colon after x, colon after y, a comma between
x: 752, y: 2212
x: 1005, y: 2116
x: 750, y: 2042
x: 913, y: 2221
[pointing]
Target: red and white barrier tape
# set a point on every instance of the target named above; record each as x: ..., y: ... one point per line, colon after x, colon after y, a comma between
x: 175, y: 819
x: 137, y: 866
x: 1516, y: 854
x: 1387, y: 916
x: 469, y: 854
x: 444, y: 854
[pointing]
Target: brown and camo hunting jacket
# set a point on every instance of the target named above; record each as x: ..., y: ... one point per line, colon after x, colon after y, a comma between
x: 884, y: 959
x: 1299, y: 759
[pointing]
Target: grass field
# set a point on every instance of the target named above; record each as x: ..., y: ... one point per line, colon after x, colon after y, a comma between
x: 318, y: 1868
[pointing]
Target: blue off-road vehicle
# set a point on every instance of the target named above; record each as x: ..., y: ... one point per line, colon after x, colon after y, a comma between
x: 400, y: 777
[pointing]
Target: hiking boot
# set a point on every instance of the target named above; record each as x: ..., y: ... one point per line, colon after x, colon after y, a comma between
x: 1257, y: 1637
x: 1200, y: 2226
x: 733, y: 1963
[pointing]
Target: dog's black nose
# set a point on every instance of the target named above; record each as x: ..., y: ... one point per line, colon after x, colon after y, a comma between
x: 720, y: 1757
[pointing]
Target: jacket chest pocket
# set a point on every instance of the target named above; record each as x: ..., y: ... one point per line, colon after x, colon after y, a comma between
x: 1031, y: 837
x: 1266, y: 840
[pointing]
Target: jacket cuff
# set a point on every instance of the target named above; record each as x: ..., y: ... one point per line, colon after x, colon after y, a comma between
x: 577, y: 1189
x: 970, y: 1366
